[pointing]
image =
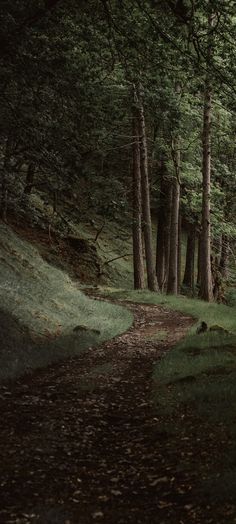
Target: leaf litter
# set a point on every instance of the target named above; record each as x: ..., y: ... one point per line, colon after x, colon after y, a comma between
x: 73, y: 454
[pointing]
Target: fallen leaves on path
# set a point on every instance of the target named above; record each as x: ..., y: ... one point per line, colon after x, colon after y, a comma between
x: 82, y: 442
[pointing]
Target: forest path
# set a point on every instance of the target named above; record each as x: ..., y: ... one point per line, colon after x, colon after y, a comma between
x: 80, y: 442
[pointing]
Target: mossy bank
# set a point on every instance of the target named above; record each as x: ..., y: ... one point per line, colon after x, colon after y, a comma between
x: 40, y: 308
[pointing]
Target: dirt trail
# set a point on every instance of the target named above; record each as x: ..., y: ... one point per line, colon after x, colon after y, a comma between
x: 80, y: 442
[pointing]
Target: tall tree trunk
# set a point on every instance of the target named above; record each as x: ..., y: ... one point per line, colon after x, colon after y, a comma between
x: 206, y: 292
x: 160, y: 249
x: 224, y: 256
x: 188, y: 279
x: 167, y: 230
x: 199, y: 260
x: 138, y: 264
x: 172, y: 283
x: 179, y: 252
x: 147, y: 222
x: 162, y: 226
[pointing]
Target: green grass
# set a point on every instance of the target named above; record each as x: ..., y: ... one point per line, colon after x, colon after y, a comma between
x: 212, y: 313
x: 41, y: 306
x: 201, y: 369
x: 194, y: 388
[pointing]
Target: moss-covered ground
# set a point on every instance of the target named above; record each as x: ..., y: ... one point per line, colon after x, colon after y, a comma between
x: 40, y: 306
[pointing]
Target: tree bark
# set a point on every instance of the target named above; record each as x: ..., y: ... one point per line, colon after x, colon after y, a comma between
x: 163, y: 227
x: 199, y: 260
x: 147, y: 222
x: 160, y: 249
x: 206, y: 292
x: 168, y: 229
x: 179, y: 252
x: 138, y: 264
x: 172, y: 283
x: 188, y: 279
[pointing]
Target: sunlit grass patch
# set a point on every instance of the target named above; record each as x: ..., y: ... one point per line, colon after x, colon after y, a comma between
x: 211, y: 313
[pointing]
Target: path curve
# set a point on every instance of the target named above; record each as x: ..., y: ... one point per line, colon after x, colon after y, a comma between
x: 80, y: 441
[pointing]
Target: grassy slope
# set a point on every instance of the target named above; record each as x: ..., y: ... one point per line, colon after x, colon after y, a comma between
x: 40, y: 306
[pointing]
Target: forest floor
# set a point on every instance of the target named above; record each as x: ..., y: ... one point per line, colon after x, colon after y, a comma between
x: 82, y: 441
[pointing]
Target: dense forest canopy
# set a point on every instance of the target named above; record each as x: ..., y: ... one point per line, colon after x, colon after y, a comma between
x: 126, y: 108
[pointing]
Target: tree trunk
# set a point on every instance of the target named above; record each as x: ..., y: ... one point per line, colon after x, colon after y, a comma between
x: 206, y: 292
x: 179, y: 253
x: 138, y: 264
x: 199, y: 261
x: 160, y: 249
x: 224, y: 257
x: 172, y: 283
x: 147, y: 222
x: 188, y: 280
x: 162, y: 227
x: 167, y: 230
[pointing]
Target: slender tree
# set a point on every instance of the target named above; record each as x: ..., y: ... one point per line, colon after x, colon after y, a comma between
x: 163, y: 226
x: 206, y: 291
x: 168, y: 230
x: 138, y: 264
x: 188, y: 279
x: 179, y: 252
x: 147, y: 222
x: 172, y: 283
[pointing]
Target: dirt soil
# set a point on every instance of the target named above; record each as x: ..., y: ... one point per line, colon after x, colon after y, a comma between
x: 81, y: 442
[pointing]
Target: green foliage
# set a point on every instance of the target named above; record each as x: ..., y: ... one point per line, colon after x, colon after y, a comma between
x: 66, y: 105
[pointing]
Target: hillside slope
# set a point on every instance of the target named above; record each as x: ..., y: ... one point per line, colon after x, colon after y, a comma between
x: 40, y: 308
